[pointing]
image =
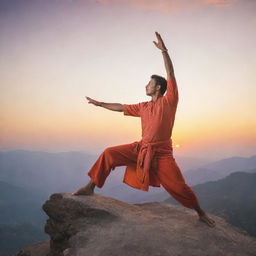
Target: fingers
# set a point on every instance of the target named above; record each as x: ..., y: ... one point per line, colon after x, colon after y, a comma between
x: 159, y: 37
x: 88, y: 98
x: 92, y: 101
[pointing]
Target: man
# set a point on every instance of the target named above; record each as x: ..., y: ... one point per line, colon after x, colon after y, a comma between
x: 150, y: 161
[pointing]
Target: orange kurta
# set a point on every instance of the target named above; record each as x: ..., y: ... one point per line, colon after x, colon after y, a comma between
x: 157, y: 120
x: 150, y: 161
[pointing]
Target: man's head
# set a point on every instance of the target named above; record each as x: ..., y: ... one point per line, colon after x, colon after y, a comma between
x: 157, y: 84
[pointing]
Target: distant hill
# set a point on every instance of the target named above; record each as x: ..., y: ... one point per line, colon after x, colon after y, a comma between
x: 187, y: 163
x: 220, y: 169
x: 233, y: 164
x: 233, y: 198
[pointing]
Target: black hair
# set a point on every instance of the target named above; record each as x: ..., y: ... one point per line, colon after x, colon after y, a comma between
x: 160, y: 81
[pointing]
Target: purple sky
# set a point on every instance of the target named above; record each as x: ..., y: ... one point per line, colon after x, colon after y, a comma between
x: 54, y: 53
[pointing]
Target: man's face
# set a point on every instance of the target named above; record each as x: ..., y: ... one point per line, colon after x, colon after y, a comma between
x: 151, y: 87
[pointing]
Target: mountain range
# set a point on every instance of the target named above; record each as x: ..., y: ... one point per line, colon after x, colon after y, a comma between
x: 28, y: 178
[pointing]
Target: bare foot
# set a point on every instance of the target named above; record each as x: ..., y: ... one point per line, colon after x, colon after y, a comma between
x: 86, y: 190
x: 204, y: 218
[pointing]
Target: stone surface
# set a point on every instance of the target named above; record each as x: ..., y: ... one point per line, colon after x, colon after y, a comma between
x: 96, y: 225
x: 37, y: 249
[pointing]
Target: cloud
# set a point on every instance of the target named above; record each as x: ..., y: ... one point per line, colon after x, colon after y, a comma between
x: 160, y: 5
x: 218, y: 2
x: 166, y: 5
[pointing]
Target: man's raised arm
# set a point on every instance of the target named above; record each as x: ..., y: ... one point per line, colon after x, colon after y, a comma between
x: 167, y: 60
x: 172, y: 94
x: 110, y: 106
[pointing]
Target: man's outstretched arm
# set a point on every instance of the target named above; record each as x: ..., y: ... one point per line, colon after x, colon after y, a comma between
x: 167, y: 60
x: 111, y: 106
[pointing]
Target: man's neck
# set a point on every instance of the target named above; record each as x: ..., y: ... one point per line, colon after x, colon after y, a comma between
x: 155, y: 97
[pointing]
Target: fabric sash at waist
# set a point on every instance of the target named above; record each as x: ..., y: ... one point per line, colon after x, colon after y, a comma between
x: 146, y: 154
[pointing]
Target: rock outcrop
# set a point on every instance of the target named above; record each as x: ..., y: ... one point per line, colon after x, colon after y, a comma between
x: 96, y: 225
x: 37, y: 249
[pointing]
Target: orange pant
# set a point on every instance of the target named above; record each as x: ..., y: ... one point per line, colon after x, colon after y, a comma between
x: 167, y: 172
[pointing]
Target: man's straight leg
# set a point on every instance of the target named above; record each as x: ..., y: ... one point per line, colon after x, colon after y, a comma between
x: 172, y: 180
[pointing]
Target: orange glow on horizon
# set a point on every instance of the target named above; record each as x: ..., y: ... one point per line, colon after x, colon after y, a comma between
x: 52, y: 57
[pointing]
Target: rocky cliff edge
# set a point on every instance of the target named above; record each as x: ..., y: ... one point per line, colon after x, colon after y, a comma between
x: 96, y: 225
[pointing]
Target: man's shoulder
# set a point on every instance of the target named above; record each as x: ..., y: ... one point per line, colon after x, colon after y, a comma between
x: 144, y: 103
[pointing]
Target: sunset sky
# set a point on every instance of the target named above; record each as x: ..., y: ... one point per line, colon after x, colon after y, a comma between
x: 56, y: 52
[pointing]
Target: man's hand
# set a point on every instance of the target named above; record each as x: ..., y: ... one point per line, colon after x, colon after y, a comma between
x: 94, y: 102
x: 111, y: 106
x: 160, y: 43
x: 167, y: 61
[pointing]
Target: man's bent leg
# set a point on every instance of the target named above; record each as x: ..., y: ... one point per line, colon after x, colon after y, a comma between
x: 110, y: 158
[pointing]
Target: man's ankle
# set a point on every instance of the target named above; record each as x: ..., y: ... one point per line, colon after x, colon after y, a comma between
x: 92, y: 184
